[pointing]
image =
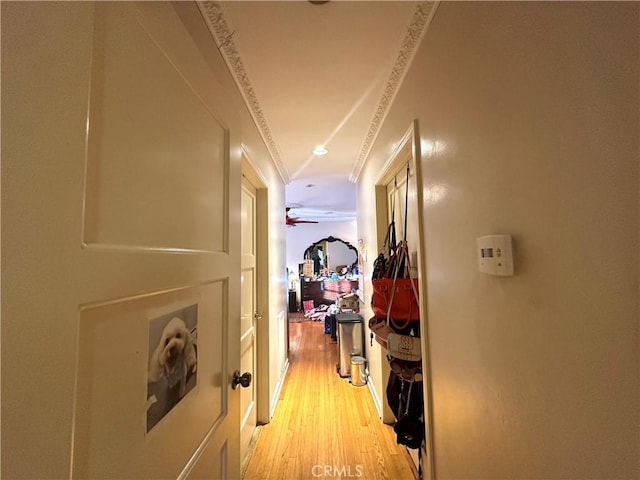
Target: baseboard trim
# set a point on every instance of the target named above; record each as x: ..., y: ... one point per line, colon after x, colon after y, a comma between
x: 252, y: 446
x: 374, y: 396
x: 276, y: 393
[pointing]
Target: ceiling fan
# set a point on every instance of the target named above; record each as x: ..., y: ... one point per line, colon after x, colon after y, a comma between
x: 293, y: 221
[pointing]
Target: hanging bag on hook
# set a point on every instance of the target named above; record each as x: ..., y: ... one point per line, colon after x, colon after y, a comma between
x: 409, y: 428
x: 395, y: 294
x: 406, y: 401
x: 396, y: 299
x: 388, y: 249
x: 404, y: 347
x: 380, y: 330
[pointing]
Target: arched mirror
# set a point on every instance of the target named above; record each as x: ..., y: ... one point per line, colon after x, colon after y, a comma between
x: 332, y: 254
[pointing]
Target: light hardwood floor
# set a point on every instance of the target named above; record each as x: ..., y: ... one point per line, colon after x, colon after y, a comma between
x: 324, y: 426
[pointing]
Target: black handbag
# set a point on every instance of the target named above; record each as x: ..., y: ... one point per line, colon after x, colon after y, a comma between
x: 407, y: 403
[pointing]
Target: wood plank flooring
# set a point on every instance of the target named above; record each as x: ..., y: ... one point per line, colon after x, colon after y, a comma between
x: 323, y: 425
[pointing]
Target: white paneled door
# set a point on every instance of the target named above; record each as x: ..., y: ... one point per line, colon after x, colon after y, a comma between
x: 401, y: 187
x: 120, y: 247
x: 248, y: 316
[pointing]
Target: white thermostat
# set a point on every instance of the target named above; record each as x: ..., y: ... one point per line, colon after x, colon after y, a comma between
x: 494, y: 255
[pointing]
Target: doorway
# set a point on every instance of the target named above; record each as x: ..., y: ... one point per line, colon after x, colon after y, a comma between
x: 399, y: 195
x: 254, y: 318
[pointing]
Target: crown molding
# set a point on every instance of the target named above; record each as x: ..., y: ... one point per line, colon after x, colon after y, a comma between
x: 415, y: 31
x: 219, y: 28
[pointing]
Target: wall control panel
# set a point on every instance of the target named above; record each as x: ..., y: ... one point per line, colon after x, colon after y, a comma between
x: 495, y: 255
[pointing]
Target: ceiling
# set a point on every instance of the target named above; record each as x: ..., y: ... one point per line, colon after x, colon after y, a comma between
x: 318, y: 74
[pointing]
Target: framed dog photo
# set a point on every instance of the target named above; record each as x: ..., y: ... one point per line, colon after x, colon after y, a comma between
x: 172, y: 361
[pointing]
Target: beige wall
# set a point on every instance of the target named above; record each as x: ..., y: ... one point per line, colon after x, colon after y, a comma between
x: 528, y: 116
x: 86, y: 261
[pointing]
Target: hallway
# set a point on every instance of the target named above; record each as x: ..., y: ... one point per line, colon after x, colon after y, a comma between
x: 323, y: 426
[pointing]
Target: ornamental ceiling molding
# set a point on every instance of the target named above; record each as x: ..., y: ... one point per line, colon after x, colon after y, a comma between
x: 219, y: 28
x: 421, y: 19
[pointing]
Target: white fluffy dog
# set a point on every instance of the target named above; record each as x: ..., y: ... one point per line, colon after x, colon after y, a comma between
x: 174, y: 356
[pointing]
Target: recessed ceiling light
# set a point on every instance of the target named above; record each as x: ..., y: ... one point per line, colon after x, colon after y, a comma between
x: 320, y: 150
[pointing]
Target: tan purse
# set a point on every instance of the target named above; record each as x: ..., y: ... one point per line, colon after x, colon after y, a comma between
x: 404, y: 347
x: 380, y: 330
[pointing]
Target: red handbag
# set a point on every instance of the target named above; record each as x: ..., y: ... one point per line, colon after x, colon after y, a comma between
x: 396, y: 299
x: 402, y: 305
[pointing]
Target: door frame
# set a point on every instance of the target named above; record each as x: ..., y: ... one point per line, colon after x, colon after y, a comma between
x: 255, y: 177
x: 408, y: 149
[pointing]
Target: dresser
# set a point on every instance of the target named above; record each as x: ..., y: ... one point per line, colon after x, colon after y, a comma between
x: 326, y: 291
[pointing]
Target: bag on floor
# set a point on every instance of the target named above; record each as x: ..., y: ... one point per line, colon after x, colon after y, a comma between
x: 307, y: 305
